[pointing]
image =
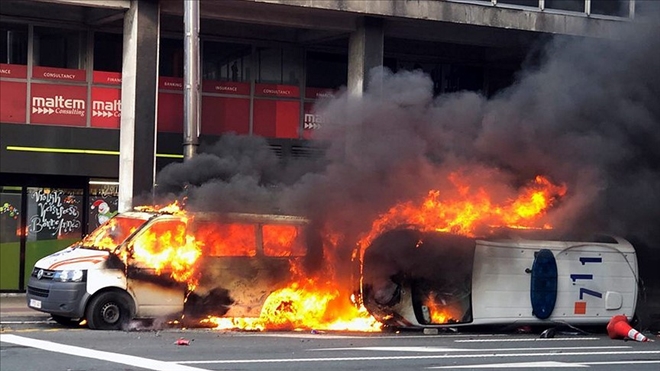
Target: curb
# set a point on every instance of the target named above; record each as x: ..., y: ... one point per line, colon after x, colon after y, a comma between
x: 11, y: 294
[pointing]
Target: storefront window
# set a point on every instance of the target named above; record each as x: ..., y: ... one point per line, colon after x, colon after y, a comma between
x: 60, y: 48
x: 10, y: 237
x: 108, y: 51
x: 171, y: 58
x: 54, y: 221
x: 279, y: 66
x: 13, y: 44
x: 325, y: 70
x: 226, y: 61
x: 103, y: 202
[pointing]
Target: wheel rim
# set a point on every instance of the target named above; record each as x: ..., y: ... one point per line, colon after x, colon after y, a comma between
x: 110, y: 313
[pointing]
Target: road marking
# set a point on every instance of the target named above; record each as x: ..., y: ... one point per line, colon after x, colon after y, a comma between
x: 619, y: 362
x: 417, y: 357
x: 426, y: 349
x: 545, y: 364
x: 526, y: 339
x: 147, y: 363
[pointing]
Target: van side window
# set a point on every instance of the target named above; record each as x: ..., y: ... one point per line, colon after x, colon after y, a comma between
x: 282, y: 240
x: 158, y: 241
x: 220, y: 239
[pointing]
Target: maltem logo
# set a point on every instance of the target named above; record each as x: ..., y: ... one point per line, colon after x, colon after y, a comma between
x: 104, y: 108
x: 312, y: 121
x: 59, y: 105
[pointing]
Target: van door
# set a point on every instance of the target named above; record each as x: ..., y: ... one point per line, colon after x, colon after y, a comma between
x: 151, y: 277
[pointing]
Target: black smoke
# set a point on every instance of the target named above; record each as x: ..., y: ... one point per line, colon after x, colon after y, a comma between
x: 587, y: 115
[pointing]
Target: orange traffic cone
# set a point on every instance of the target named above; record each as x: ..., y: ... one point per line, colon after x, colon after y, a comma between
x: 618, y: 328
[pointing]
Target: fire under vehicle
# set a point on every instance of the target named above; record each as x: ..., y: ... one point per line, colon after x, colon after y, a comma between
x: 418, y: 279
x: 153, y: 265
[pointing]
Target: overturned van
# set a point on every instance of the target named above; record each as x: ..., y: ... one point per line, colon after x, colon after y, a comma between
x: 108, y: 279
x: 414, y: 279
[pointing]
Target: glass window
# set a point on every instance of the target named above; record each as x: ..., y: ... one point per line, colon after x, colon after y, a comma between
x: 325, y: 70
x: 171, y: 58
x: 158, y: 240
x: 10, y: 237
x: 13, y: 44
x: 108, y: 51
x: 61, y: 48
x: 282, y: 240
x: 54, y: 221
x: 103, y: 202
x: 532, y: 3
x: 291, y: 66
x: 279, y: 66
x: 226, y: 61
x: 270, y: 65
x: 619, y: 8
x: 220, y: 239
x: 569, y: 5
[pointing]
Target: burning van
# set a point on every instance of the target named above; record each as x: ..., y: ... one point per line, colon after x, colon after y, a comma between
x: 413, y: 279
x: 147, y: 264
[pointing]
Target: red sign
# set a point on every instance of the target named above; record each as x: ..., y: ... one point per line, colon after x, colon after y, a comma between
x: 276, y: 119
x: 103, y: 77
x: 12, y: 104
x: 224, y: 115
x: 274, y: 90
x: 58, y: 104
x: 226, y: 87
x: 106, y: 108
x: 170, y: 83
x: 62, y: 74
x: 14, y: 71
x: 170, y: 112
x: 317, y: 93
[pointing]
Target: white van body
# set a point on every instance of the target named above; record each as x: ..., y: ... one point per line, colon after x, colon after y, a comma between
x: 594, y: 281
x: 98, y: 280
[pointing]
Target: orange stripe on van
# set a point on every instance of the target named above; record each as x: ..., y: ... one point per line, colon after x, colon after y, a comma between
x: 93, y: 259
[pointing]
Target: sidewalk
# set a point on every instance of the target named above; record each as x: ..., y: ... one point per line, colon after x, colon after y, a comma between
x: 14, y: 307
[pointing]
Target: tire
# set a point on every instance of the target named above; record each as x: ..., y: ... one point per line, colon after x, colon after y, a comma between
x: 66, y: 321
x: 108, y: 311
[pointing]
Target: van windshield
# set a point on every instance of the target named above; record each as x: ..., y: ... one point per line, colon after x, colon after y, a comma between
x: 113, y: 233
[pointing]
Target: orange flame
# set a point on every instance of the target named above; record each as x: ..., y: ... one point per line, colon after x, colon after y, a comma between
x: 167, y: 248
x: 442, y: 312
x: 304, y: 306
x: 472, y: 209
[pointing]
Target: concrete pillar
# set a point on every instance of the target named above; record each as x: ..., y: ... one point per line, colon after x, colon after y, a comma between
x: 365, y: 51
x: 139, y: 100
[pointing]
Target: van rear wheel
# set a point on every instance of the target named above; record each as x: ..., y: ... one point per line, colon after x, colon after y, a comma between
x: 108, y: 311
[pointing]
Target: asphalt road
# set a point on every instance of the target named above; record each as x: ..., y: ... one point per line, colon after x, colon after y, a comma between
x: 30, y: 341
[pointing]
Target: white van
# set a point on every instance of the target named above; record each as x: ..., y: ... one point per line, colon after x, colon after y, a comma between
x: 413, y: 279
x: 108, y: 279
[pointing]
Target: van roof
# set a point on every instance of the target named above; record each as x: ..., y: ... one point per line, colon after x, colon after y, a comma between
x: 244, y: 217
x: 250, y: 217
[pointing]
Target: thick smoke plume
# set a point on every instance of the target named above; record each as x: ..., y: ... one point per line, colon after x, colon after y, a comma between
x: 587, y: 115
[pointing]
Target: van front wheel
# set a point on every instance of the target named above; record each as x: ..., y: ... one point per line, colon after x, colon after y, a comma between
x: 108, y: 311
